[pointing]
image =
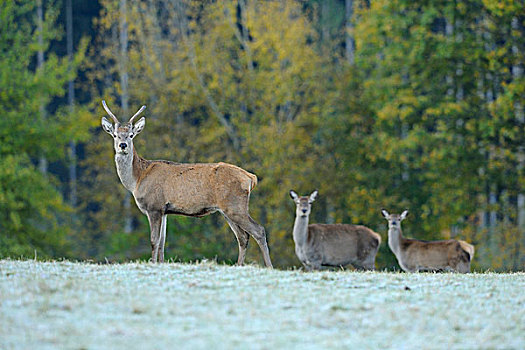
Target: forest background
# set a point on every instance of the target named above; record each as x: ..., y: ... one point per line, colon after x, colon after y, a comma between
x: 390, y: 104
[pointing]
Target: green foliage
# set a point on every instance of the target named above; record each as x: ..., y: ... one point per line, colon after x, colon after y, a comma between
x: 429, y: 117
x: 29, y: 206
x: 33, y: 215
x: 431, y: 70
x: 263, y: 85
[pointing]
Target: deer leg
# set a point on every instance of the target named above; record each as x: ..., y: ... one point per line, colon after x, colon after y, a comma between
x: 259, y: 234
x: 162, y: 239
x: 256, y: 231
x: 242, y: 239
x: 155, y: 223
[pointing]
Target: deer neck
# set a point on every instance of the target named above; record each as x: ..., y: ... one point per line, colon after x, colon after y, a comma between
x: 128, y: 169
x: 395, y: 238
x: 300, y: 230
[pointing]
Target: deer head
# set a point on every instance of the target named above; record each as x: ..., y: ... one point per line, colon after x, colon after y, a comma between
x: 394, y: 220
x: 304, y: 204
x: 123, y: 133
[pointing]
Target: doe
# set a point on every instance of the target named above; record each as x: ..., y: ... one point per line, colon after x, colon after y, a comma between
x: 415, y: 255
x: 162, y: 187
x: 318, y: 245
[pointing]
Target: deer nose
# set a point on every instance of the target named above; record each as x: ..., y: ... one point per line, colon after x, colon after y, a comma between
x: 394, y: 223
x: 304, y: 210
x: 123, y: 145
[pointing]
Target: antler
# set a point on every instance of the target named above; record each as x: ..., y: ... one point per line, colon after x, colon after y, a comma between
x: 140, y: 111
x: 109, y: 112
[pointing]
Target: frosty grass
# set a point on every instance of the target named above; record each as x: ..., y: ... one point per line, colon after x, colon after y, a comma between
x: 66, y: 305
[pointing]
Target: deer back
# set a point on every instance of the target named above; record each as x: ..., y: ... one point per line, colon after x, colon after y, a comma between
x: 434, y: 254
x: 342, y: 243
x: 193, y: 189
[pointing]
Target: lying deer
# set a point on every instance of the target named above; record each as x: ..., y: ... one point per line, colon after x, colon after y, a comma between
x: 318, y: 245
x: 162, y: 187
x: 414, y: 255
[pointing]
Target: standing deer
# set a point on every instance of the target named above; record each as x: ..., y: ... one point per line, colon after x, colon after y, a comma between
x: 415, y: 255
x: 162, y: 187
x: 319, y: 245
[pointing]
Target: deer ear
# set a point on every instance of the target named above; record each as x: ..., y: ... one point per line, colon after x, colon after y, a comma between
x: 139, y: 126
x: 293, y: 195
x: 385, y: 213
x: 404, y: 214
x: 313, y: 196
x: 107, y: 126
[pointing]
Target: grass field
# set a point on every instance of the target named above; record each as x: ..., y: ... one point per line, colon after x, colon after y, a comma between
x: 66, y: 305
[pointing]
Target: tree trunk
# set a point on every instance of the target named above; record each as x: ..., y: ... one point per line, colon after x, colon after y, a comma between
x: 330, y: 211
x: 325, y: 31
x: 186, y: 38
x: 517, y: 73
x: 349, y: 35
x: 452, y: 32
x: 42, y: 162
x: 71, y: 102
x: 123, y: 24
x: 124, y: 98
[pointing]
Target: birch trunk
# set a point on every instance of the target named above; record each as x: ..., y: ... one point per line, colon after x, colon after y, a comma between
x: 349, y: 37
x: 124, y: 98
x: 72, y: 153
x: 517, y: 73
x: 42, y: 162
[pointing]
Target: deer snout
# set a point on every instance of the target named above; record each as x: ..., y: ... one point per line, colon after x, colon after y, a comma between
x: 304, y: 210
x: 123, y: 145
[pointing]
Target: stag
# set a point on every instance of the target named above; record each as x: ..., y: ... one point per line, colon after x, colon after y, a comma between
x: 162, y: 187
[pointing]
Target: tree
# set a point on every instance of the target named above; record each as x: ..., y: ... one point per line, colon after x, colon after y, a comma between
x: 447, y: 157
x: 31, y: 208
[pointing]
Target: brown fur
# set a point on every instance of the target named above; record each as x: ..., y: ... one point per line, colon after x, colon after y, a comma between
x: 192, y: 187
x: 162, y: 187
x: 343, y: 244
x: 198, y: 190
x: 417, y: 255
x: 318, y: 245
